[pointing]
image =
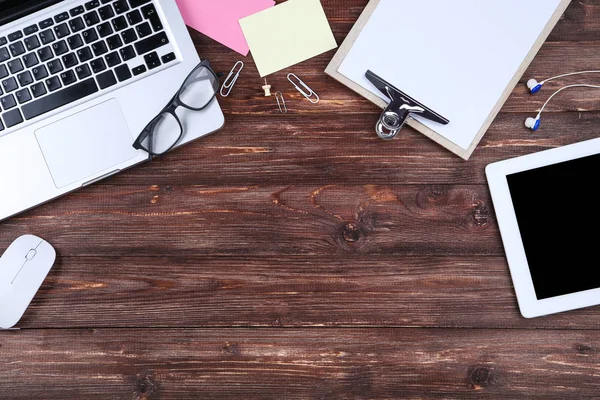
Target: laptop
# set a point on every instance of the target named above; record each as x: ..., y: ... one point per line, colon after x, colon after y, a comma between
x: 79, y: 81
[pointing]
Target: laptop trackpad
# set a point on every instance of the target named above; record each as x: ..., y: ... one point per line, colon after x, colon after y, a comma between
x: 87, y: 143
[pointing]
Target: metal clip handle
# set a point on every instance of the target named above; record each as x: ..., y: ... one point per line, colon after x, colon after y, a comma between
x: 399, y: 110
x: 232, y: 78
x: 389, y: 125
x: 310, y: 95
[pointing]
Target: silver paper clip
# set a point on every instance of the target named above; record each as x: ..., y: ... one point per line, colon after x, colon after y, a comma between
x: 281, y: 102
x: 232, y: 78
x: 310, y: 94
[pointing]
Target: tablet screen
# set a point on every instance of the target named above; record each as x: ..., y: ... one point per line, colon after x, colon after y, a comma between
x: 558, y: 213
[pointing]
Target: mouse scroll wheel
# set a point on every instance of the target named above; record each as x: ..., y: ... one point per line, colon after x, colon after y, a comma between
x: 31, y: 254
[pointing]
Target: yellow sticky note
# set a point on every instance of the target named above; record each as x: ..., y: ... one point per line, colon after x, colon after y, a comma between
x: 287, y: 34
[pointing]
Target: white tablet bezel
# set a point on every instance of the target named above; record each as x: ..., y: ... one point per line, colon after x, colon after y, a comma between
x: 496, y: 173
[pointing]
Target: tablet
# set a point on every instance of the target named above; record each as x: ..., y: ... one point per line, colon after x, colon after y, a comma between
x: 548, y: 211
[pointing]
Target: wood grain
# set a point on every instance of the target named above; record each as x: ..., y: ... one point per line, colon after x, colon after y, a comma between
x: 257, y: 220
x: 299, y: 257
x: 319, y: 150
x: 286, y: 291
x: 300, y: 364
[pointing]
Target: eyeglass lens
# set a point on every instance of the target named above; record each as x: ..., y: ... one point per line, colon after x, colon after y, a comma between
x: 199, y: 88
x: 165, y: 132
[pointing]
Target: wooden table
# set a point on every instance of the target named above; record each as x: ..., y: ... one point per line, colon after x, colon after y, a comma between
x: 300, y: 257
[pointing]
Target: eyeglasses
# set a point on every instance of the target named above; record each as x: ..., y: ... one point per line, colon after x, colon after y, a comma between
x: 165, y: 130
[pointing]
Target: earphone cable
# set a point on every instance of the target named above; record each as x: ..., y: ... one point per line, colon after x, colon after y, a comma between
x: 570, y: 74
x: 565, y: 88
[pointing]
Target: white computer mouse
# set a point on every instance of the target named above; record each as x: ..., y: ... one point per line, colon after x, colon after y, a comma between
x: 23, y: 268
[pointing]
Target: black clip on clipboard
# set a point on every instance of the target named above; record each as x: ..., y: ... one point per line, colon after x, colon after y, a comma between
x: 401, y: 107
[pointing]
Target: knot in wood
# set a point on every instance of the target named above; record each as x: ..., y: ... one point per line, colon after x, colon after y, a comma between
x: 231, y: 349
x: 350, y: 233
x: 585, y: 349
x: 439, y: 190
x: 145, y: 385
x: 481, y: 377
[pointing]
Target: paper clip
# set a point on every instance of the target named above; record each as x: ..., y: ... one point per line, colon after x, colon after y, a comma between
x: 309, y: 95
x: 232, y: 78
x: 281, y: 102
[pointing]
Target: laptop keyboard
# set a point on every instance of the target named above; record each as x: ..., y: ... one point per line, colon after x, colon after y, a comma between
x: 78, y: 53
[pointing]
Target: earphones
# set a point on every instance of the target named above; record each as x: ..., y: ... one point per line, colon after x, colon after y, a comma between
x: 534, y: 86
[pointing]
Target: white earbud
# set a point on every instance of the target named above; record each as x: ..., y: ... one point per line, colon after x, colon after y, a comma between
x: 533, y: 123
x: 534, y: 86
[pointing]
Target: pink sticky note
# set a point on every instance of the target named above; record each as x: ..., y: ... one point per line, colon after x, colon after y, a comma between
x: 218, y: 19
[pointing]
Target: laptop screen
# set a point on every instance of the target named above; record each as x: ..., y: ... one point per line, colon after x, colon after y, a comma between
x: 11, y: 10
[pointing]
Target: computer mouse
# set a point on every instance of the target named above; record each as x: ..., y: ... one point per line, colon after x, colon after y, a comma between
x: 23, y: 268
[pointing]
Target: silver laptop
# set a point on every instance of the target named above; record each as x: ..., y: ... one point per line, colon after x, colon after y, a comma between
x: 79, y: 81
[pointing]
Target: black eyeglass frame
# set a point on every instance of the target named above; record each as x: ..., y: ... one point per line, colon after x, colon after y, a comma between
x: 170, y: 108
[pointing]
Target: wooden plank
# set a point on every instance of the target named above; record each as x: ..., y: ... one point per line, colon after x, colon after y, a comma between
x: 301, y: 150
x: 299, y: 364
x: 579, y: 23
x: 285, y: 291
x: 265, y: 220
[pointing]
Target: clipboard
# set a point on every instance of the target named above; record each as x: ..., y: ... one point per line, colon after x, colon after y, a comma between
x: 462, y: 151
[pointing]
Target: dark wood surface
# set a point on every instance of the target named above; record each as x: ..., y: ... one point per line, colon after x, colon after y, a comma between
x: 299, y: 257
